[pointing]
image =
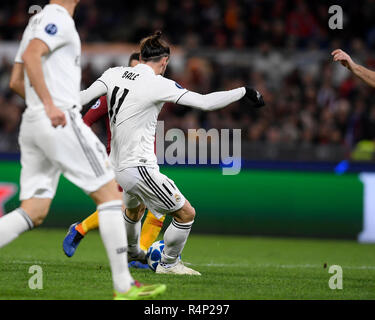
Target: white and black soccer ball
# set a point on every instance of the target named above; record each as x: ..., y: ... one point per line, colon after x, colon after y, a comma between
x: 153, y: 255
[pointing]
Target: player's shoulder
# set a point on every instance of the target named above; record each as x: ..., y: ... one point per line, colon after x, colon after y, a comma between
x: 115, y: 70
x: 56, y: 14
x: 34, y: 20
x: 54, y: 9
x: 165, y: 82
x: 30, y: 27
x: 162, y: 80
x: 112, y: 75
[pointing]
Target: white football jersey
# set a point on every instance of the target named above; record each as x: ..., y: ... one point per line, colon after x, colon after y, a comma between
x: 135, y: 98
x: 61, y: 66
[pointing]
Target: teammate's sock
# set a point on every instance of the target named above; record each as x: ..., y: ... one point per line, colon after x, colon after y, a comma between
x: 175, y: 238
x: 90, y: 223
x: 133, y: 231
x: 150, y: 230
x: 13, y: 224
x: 113, y: 234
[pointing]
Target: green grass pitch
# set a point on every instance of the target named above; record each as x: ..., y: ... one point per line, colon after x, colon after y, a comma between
x: 235, y: 268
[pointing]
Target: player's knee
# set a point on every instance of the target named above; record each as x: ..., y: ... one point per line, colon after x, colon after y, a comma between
x: 191, y: 213
x: 185, y: 214
x: 141, y: 209
x: 135, y: 214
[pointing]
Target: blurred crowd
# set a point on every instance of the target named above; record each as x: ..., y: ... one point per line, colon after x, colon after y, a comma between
x: 317, y: 104
x: 222, y: 24
x: 310, y: 100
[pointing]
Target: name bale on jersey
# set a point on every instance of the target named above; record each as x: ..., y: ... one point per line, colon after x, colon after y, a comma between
x: 130, y: 75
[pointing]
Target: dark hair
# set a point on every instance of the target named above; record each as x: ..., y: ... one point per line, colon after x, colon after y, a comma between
x: 153, y: 48
x: 133, y: 56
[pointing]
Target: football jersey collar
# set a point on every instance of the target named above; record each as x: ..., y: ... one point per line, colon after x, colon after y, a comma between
x: 145, y: 67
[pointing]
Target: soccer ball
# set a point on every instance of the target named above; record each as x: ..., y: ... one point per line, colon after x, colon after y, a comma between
x: 153, y: 255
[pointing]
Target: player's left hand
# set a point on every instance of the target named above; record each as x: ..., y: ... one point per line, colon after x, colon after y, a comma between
x: 255, y: 97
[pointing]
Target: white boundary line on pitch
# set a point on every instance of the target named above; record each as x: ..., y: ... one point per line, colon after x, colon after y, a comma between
x: 282, y: 266
x: 220, y: 265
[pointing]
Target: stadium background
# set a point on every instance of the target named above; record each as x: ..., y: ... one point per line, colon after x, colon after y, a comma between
x: 293, y: 180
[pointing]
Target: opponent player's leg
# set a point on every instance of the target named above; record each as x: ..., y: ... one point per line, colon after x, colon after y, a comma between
x: 90, y: 223
x: 150, y: 230
x: 77, y: 232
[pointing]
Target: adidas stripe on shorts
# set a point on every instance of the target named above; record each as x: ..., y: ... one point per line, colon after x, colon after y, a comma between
x: 148, y: 186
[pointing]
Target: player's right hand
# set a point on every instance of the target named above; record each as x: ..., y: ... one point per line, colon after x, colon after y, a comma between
x: 343, y: 57
x: 255, y: 97
x: 56, y: 116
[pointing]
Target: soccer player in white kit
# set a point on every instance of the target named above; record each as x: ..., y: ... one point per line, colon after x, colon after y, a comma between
x: 54, y: 140
x: 135, y: 98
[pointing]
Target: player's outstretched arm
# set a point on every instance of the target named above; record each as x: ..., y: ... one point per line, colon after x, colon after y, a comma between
x: 221, y: 99
x: 16, y: 82
x: 32, y: 58
x: 363, y: 73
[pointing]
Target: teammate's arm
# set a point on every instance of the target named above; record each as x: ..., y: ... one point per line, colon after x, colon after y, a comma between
x: 220, y: 99
x: 16, y: 82
x: 32, y: 58
x: 97, y: 89
x: 361, y: 72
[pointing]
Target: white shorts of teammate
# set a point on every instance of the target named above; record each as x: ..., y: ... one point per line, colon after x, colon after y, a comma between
x: 47, y: 152
x: 148, y: 186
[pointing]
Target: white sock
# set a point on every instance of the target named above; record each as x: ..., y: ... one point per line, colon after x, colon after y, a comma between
x: 175, y: 238
x: 133, y: 232
x: 13, y: 224
x: 113, y: 233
